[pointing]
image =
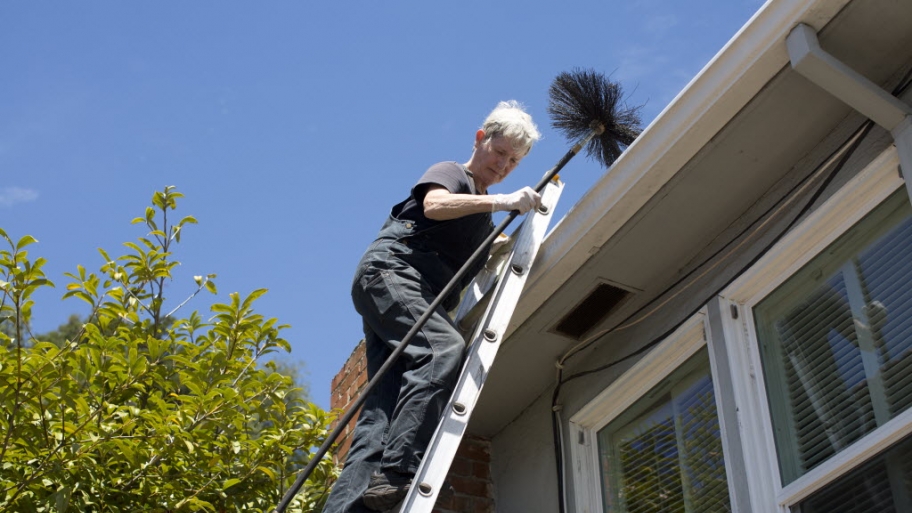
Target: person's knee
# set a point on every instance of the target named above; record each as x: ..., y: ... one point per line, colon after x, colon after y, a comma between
x: 449, y: 357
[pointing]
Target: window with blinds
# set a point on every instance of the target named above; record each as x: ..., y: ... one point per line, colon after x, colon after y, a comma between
x: 836, y: 341
x: 881, y: 485
x: 665, y: 452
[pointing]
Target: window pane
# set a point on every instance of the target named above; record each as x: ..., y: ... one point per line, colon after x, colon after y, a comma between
x: 665, y: 452
x: 836, y: 340
x: 879, y: 486
x: 704, y: 466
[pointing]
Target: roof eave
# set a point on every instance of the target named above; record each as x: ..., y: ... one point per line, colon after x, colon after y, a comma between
x: 723, y: 87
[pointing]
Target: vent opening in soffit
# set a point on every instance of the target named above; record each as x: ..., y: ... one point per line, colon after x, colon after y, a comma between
x: 591, y: 311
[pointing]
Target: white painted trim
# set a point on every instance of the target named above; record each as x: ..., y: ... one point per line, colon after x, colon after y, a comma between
x: 725, y: 85
x: 727, y: 405
x: 647, y: 373
x: 758, y: 443
x: 585, y: 460
x: 838, y: 214
x: 843, y: 82
x: 851, y: 203
x: 874, y: 442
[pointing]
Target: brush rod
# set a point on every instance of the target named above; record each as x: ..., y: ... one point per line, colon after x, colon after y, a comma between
x: 391, y: 359
x: 540, y: 186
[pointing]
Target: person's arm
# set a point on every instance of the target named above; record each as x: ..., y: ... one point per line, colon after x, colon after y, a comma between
x: 441, y: 204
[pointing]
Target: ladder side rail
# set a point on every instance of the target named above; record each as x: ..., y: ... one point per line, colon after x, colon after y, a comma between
x: 481, y: 288
x: 482, y: 351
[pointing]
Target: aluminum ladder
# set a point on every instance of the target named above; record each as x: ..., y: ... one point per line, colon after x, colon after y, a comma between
x: 487, y: 306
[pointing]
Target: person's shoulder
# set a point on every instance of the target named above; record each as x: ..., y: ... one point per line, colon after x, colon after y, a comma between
x: 448, y: 174
x: 446, y: 167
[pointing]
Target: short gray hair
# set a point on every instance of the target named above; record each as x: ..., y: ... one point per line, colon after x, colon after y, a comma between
x: 509, y: 119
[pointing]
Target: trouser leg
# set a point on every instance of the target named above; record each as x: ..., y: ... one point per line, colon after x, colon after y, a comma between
x: 366, y: 451
x: 391, y: 302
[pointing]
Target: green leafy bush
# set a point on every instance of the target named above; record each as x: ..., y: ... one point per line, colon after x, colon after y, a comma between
x: 141, y: 410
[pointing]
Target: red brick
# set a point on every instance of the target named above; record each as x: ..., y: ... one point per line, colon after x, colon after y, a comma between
x: 360, y: 380
x: 481, y: 471
x: 461, y: 467
x: 344, y: 391
x: 483, y: 506
x: 475, y: 450
x: 463, y: 504
x: 469, y: 486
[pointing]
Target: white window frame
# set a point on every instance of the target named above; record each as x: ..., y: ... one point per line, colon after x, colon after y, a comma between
x: 874, y: 184
x: 648, y: 372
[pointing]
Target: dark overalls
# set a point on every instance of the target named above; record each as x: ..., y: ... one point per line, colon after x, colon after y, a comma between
x: 398, y: 277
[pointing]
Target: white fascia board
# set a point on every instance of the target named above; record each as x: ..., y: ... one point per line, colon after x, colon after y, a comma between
x: 725, y: 85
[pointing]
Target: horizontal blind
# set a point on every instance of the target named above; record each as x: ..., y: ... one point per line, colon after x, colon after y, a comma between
x: 836, y: 340
x: 827, y: 389
x: 664, y: 454
x: 880, y: 485
x: 704, y: 465
x: 651, y: 480
x: 886, y: 269
x: 865, y: 491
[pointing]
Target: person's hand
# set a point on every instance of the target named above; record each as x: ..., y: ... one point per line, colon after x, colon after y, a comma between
x: 522, y: 200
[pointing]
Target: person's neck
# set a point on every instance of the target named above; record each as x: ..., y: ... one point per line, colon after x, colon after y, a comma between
x: 478, y: 187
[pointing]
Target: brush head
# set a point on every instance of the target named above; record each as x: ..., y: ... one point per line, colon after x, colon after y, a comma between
x: 585, y: 100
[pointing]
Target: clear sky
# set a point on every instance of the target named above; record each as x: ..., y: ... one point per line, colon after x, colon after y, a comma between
x: 293, y: 126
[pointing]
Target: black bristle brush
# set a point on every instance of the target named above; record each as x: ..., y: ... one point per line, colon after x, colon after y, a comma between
x: 584, y: 105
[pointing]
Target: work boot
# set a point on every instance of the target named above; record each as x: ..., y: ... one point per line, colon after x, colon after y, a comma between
x: 385, y: 490
x: 446, y: 493
x: 397, y: 508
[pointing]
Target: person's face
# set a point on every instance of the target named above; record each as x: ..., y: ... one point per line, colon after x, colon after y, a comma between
x: 493, y: 160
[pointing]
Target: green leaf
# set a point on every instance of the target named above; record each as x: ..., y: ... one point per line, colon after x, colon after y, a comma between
x: 62, y: 496
x: 267, y: 471
x: 25, y: 241
x: 228, y: 483
x: 104, y: 254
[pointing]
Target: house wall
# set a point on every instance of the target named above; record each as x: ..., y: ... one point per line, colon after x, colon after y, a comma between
x: 523, y: 462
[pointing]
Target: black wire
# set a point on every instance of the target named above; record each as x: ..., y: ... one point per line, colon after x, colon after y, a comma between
x: 863, y: 130
x: 559, y: 455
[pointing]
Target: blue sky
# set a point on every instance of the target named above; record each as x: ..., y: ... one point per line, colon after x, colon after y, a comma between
x: 293, y: 127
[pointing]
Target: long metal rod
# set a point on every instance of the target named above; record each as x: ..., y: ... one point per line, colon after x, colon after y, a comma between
x: 353, y: 409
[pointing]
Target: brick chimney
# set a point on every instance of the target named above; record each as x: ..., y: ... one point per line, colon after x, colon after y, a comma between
x: 470, y: 473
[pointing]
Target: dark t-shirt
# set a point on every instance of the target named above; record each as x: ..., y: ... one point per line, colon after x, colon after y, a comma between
x: 450, y: 175
x: 455, y: 239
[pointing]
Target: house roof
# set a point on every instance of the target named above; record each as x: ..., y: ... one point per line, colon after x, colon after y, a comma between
x: 727, y: 139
